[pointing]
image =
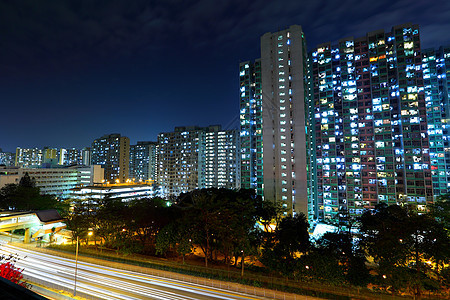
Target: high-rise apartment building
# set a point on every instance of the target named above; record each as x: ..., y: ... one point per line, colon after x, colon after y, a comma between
x: 250, y: 115
x: 27, y: 158
x: 7, y: 158
x: 50, y: 156
x: 368, y: 123
x: 272, y: 120
x: 112, y: 152
x: 283, y: 78
x: 180, y: 166
x: 197, y: 157
x: 71, y: 156
x: 436, y: 71
x: 221, y: 158
x: 143, y: 161
x: 86, y: 156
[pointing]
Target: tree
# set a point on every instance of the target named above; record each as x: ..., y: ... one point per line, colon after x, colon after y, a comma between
x: 27, y: 181
x: 174, y: 236
x: 440, y: 210
x: 201, y: 215
x: 145, y: 218
x: 289, y: 241
x: 80, y: 216
x: 221, y: 221
x: 25, y: 196
x: 408, y: 247
x: 270, y: 213
x: 345, y: 260
x: 108, y: 219
x: 240, y: 230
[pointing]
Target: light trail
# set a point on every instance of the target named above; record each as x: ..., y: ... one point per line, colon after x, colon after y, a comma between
x: 110, y: 283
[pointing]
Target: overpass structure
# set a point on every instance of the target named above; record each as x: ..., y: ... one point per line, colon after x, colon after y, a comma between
x: 36, y: 223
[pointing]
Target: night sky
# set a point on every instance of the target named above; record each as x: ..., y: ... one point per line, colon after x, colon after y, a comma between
x: 72, y: 71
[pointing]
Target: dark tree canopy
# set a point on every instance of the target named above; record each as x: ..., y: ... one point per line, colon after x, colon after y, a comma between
x: 26, y: 196
x: 411, y: 249
x: 395, y: 249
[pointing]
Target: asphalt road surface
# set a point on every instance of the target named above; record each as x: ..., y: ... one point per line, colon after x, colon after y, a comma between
x: 110, y: 283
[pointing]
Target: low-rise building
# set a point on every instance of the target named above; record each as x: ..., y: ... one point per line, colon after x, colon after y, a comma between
x: 125, y: 191
x: 55, y: 181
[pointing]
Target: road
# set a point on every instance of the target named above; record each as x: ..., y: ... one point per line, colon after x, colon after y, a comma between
x: 110, y: 283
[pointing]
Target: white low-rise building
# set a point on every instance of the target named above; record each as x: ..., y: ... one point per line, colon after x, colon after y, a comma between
x: 55, y: 181
x: 125, y: 192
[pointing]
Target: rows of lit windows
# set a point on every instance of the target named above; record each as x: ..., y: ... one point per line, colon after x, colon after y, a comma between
x: 358, y: 104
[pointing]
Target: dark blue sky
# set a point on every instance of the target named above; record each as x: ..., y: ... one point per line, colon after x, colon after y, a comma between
x: 71, y: 71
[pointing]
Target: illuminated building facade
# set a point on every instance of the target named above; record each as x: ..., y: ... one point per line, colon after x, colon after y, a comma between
x: 369, y: 123
x: 55, y: 181
x: 112, y: 152
x: 196, y: 157
x: 27, y: 158
x: 180, y: 167
x: 7, y: 158
x: 50, y: 156
x: 250, y: 115
x: 436, y: 71
x: 71, y: 156
x: 143, y: 161
x: 221, y: 158
x: 284, y: 94
x: 125, y: 192
x: 86, y: 156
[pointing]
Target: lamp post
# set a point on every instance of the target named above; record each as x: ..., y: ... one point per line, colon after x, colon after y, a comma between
x: 90, y: 233
x: 242, y: 262
x: 76, y: 269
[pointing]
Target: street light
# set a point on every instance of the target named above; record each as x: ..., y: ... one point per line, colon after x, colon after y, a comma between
x: 90, y: 233
x: 242, y: 261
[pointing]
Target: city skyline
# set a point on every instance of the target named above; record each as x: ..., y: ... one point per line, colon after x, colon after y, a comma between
x: 72, y: 73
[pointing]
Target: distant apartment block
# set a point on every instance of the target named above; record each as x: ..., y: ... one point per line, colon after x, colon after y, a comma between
x: 28, y: 157
x: 70, y: 156
x: 112, y: 152
x: 143, y: 161
x: 86, y: 156
x: 50, y: 156
x: 7, y: 158
x: 221, y: 158
x: 197, y: 157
